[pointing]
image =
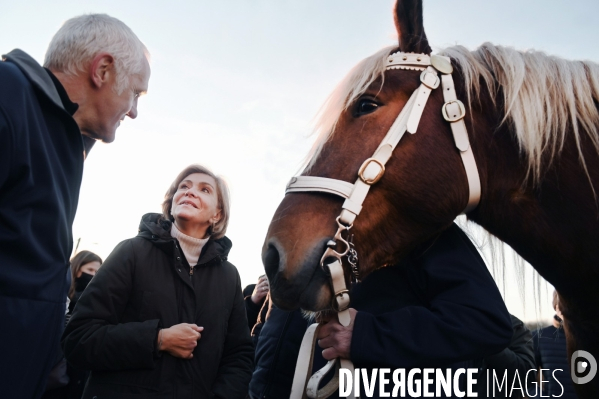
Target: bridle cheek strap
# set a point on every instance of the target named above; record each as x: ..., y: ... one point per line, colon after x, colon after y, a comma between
x: 408, y: 119
x: 303, y: 367
x: 454, y: 111
x: 371, y: 171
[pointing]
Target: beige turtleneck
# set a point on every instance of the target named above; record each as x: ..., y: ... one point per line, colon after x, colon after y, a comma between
x: 190, y: 246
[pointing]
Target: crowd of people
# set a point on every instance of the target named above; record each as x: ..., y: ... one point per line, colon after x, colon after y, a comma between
x: 165, y: 314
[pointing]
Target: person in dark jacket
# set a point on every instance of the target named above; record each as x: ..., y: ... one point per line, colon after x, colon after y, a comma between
x: 164, y: 317
x: 516, y: 363
x: 551, y: 357
x: 49, y: 118
x: 84, y: 267
x: 277, y: 335
x: 438, y: 308
x: 254, y: 296
x: 66, y: 381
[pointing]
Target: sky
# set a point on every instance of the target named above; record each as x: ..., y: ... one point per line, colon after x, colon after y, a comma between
x: 236, y: 84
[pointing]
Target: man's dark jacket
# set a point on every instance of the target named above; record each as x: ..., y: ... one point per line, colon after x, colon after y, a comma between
x: 437, y: 308
x: 41, y: 164
x: 144, y: 285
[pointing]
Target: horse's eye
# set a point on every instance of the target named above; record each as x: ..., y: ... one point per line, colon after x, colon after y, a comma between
x: 366, y: 106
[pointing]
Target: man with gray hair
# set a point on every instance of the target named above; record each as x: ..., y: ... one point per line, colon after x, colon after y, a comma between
x: 94, y: 72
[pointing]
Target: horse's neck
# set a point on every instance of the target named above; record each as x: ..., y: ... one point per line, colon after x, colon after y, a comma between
x: 555, y: 225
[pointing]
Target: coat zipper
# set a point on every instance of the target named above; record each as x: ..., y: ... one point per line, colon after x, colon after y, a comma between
x: 191, y: 267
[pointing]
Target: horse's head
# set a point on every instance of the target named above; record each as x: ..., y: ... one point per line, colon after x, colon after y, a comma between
x: 423, y: 189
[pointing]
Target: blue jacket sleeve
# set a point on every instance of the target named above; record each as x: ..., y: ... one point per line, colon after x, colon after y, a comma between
x: 463, y: 315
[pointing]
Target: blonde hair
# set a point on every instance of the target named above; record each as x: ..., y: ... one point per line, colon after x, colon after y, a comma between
x: 544, y: 97
x: 219, y: 229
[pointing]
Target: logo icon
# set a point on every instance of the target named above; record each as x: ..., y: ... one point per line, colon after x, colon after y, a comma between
x: 583, y: 367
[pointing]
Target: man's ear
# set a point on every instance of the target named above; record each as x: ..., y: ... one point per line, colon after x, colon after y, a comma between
x: 101, y: 69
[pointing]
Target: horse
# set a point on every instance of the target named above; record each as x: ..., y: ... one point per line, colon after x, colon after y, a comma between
x: 533, y: 128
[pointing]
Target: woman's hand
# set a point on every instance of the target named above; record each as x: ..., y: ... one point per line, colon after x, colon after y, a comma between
x: 260, y: 290
x: 180, y: 340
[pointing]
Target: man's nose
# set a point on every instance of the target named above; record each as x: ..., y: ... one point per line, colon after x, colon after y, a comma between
x: 133, y: 111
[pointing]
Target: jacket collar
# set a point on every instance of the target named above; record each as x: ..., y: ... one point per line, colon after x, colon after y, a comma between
x: 155, y: 228
x: 35, y: 73
x: 42, y: 80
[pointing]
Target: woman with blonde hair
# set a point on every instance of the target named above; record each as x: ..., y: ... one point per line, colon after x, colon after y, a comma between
x: 164, y: 316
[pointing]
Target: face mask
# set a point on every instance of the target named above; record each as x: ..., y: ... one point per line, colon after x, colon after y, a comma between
x: 82, y: 281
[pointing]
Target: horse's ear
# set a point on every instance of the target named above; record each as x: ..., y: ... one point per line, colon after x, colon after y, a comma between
x: 410, y: 29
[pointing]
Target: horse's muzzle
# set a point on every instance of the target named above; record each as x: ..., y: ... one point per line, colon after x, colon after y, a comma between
x: 297, y: 284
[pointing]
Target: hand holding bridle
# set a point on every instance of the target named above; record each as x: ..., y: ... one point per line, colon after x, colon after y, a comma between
x: 335, y: 339
x: 180, y: 340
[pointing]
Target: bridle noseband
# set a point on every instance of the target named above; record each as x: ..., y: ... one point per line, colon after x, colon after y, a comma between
x: 371, y: 171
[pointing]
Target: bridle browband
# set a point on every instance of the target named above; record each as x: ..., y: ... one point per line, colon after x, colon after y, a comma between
x: 371, y: 171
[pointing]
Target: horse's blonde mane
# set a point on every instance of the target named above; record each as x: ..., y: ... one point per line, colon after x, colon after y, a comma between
x: 544, y: 96
x: 347, y: 91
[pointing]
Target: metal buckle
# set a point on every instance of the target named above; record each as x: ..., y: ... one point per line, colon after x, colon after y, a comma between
x: 424, y: 82
x: 453, y: 118
x: 335, y: 304
x: 377, y: 177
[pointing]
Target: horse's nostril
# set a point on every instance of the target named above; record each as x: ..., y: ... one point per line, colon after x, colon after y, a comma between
x: 271, y: 261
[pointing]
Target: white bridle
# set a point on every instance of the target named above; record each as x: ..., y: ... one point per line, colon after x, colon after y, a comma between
x: 371, y: 171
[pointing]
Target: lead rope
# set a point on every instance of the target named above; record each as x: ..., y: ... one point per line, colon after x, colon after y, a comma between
x: 370, y: 172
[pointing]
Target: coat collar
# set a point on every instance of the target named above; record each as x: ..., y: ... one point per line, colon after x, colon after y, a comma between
x: 155, y: 228
x: 41, y: 79
x: 35, y: 73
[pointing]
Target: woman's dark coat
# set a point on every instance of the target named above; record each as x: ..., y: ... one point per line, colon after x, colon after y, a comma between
x: 145, y: 285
